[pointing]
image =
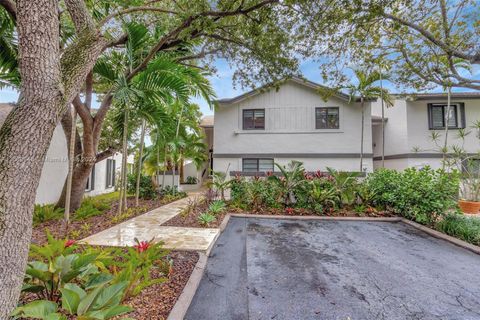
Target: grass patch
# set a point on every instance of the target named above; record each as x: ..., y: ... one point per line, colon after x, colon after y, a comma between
x: 461, y: 227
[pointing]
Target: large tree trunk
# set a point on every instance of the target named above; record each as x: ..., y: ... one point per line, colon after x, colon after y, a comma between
x: 24, y: 139
x: 80, y: 175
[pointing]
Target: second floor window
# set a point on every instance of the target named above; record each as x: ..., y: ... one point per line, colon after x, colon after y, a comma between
x: 254, y: 119
x: 327, y: 118
x: 437, y: 116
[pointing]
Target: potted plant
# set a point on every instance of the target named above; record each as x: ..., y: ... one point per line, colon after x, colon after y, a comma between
x: 468, y: 166
x: 469, y: 201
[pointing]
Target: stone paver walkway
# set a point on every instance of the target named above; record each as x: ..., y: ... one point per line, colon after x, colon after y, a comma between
x: 148, y: 226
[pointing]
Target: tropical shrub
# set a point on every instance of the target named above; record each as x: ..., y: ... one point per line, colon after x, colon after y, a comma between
x: 191, y: 180
x: 423, y: 195
x: 174, y: 193
x: 68, y: 280
x: 322, y: 195
x: 291, y: 179
x: 462, y: 227
x: 345, y: 185
x: 206, y: 218
x: 43, y: 213
x: 220, y: 183
x: 135, y: 264
x: 216, y: 207
x: 254, y: 193
x: 147, y: 188
x: 92, y: 206
x: 87, y: 283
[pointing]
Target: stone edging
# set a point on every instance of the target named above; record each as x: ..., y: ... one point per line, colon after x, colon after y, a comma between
x: 181, y: 306
x: 443, y: 236
x: 183, y: 302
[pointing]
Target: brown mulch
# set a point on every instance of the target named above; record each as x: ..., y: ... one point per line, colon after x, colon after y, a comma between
x: 190, y: 218
x: 305, y: 212
x: 79, y: 229
x: 157, y: 301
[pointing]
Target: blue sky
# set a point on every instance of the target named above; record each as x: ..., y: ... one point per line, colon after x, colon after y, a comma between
x: 223, y: 84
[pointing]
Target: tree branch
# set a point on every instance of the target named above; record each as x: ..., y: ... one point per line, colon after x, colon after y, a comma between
x: 473, y: 58
x: 80, y: 16
x: 83, y: 112
x: 105, y: 154
x: 134, y: 9
x: 10, y: 7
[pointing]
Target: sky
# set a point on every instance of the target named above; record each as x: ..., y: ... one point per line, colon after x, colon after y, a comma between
x: 223, y: 85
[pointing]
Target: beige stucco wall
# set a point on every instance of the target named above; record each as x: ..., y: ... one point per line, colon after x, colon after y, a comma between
x: 290, y: 129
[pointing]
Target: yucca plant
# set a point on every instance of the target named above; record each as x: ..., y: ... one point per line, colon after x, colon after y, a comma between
x: 216, y: 207
x: 206, y: 218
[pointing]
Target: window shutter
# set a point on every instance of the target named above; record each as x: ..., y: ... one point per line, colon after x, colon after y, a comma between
x: 92, y: 183
x: 114, y: 166
x: 463, y: 121
x: 430, y: 124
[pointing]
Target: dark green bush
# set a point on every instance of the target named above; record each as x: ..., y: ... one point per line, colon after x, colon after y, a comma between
x: 253, y: 193
x: 462, y: 227
x: 422, y: 195
x: 147, y: 189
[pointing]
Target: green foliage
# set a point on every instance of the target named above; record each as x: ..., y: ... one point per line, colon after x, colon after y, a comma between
x: 191, y: 180
x: 172, y: 193
x: 292, y: 177
x: 322, y: 195
x: 147, y: 188
x: 217, y: 207
x: 43, y: 213
x: 206, y: 218
x: 345, y: 184
x: 422, y: 195
x: 94, y: 206
x: 255, y: 193
x: 462, y: 227
x: 88, y: 283
x: 136, y: 263
x: 73, y: 280
x: 220, y: 183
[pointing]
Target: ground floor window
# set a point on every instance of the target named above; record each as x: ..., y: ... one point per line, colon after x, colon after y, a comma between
x: 257, y: 165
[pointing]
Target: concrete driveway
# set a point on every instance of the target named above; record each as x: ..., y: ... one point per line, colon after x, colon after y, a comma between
x: 314, y: 269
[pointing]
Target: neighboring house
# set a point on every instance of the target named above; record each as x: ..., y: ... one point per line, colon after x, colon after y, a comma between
x: 410, y: 122
x: 288, y: 122
x: 55, y: 168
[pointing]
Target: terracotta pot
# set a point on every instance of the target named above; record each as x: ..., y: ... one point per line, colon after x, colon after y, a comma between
x: 470, y: 207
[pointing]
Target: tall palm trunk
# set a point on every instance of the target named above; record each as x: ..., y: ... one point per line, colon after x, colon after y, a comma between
x: 71, y: 160
x: 362, y: 102
x: 447, y: 120
x: 139, y: 169
x: 164, y: 168
x: 383, y: 120
x: 122, y: 204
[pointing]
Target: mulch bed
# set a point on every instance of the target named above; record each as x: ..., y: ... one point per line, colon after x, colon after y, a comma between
x: 80, y: 229
x: 191, y: 219
x: 305, y: 212
x: 157, y: 301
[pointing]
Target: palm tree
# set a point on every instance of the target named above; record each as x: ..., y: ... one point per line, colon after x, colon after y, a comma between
x: 363, y: 90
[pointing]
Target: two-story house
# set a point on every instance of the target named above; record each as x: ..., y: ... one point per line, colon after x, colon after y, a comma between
x: 411, y: 121
x: 290, y: 121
